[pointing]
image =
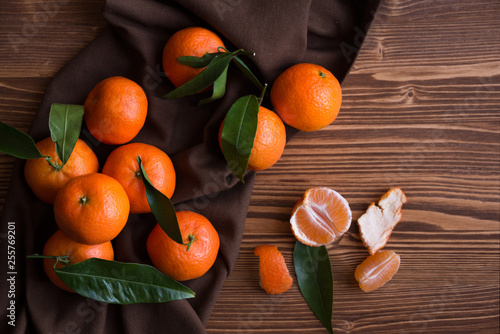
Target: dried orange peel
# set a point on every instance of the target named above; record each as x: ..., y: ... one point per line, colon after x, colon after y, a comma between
x: 377, y: 223
x: 274, y: 275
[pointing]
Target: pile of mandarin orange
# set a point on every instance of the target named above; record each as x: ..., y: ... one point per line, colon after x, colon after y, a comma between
x: 91, y: 208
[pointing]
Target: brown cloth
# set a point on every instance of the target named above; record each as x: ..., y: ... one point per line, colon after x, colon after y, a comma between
x: 281, y: 33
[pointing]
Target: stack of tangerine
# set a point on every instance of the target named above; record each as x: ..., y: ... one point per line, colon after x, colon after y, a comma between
x: 92, y: 208
x: 305, y: 96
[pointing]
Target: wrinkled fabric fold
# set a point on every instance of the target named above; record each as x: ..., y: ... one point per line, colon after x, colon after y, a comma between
x: 281, y: 33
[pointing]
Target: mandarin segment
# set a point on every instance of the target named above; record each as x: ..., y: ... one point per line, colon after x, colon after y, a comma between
x: 45, y: 180
x: 193, y: 41
x: 274, y: 275
x: 175, y: 260
x: 377, y: 269
x: 307, y: 96
x: 92, y: 209
x: 320, y: 217
x: 123, y: 166
x: 59, y: 244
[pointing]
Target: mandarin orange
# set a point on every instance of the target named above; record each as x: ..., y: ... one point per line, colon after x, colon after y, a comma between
x: 307, y: 96
x: 92, y: 209
x: 115, y: 110
x: 193, y: 41
x: 181, y: 262
x: 123, y: 166
x: 46, y: 179
x: 59, y: 244
x: 269, y: 142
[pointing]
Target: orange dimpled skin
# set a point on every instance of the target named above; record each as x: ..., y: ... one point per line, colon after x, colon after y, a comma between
x: 307, y: 96
x: 269, y: 142
x: 376, y: 270
x: 45, y: 180
x: 123, y: 166
x: 115, y: 110
x: 59, y: 244
x: 175, y: 260
x: 274, y: 275
x: 193, y: 41
x: 92, y: 209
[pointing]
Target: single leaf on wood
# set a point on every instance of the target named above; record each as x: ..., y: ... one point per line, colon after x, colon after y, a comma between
x: 162, y: 208
x: 65, y: 123
x: 238, y: 133
x: 315, y: 280
x: 17, y: 143
x: 121, y: 283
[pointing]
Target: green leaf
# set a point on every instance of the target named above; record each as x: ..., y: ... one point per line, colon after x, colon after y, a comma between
x: 203, y: 80
x: 162, y: 208
x: 65, y: 123
x: 206, y: 77
x: 198, y: 62
x: 315, y: 280
x: 248, y: 73
x: 121, y: 283
x: 238, y: 133
x: 219, y: 88
x: 17, y: 143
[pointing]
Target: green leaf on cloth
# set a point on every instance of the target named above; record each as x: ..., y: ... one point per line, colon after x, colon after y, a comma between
x: 238, y: 134
x: 162, y: 208
x: 122, y: 283
x: 65, y: 124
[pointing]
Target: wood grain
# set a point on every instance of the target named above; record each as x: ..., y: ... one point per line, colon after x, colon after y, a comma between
x: 420, y: 111
x: 32, y: 51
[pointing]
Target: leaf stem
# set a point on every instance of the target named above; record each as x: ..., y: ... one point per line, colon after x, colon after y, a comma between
x: 262, y: 93
x: 191, y: 239
x: 64, y: 259
x: 52, y: 164
x: 83, y: 200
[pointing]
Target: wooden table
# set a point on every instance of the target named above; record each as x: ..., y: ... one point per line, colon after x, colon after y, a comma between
x: 420, y: 111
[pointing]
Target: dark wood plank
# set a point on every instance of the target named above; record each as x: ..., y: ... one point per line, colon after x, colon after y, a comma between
x: 37, y: 38
x: 420, y: 111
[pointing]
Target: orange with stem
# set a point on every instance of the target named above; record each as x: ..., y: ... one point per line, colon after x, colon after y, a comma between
x: 66, y: 251
x: 46, y: 176
x: 186, y: 261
